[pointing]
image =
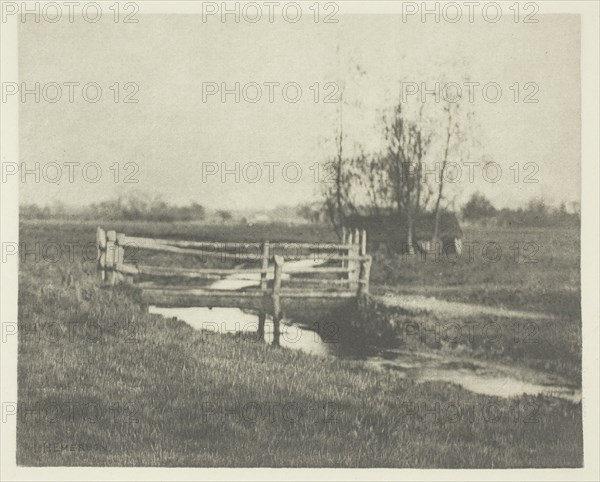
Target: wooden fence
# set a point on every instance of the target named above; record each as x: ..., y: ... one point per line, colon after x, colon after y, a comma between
x: 339, y: 271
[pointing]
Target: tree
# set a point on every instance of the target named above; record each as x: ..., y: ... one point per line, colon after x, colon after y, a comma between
x: 224, y: 215
x: 449, y: 131
x: 197, y: 211
x: 478, y: 207
x: 406, y: 149
x: 337, y: 192
x: 309, y: 212
x: 393, y: 180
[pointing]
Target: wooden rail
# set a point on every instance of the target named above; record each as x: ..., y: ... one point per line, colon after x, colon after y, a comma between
x: 342, y: 273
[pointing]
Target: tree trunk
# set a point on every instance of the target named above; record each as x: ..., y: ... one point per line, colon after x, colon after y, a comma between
x: 436, y: 222
x: 339, y: 181
x: 410, y: 230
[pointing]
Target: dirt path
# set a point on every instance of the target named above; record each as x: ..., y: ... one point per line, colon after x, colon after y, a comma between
x: 425, y: 304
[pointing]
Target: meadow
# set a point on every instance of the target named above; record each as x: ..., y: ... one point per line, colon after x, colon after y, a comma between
x: 535, y: 269
x: 102, y: 382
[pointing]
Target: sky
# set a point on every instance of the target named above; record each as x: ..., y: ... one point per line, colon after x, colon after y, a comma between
x: 176, y: 144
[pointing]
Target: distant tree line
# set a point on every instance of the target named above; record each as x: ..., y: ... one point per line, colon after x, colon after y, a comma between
x: 480, y: 210
x: 536, y: 213
x: 131, y: 208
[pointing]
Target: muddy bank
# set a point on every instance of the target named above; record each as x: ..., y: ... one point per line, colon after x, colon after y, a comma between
x: 511, y: 336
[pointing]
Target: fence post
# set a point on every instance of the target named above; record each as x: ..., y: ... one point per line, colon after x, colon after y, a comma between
x: 111, y: 257
x: 353, y: 265
x: 260, y: 333
x: 120, y: 258
x: 265, y: 266
x: 349, y: 253
x: 276, y: 298
x: 365, y: 274
x: 262, y: 315
x: 343, y: 252
x: 363, y: 240
x: 101, y: 253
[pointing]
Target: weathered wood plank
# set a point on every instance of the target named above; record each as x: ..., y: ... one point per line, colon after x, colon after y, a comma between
x: 127, y: 269
x: 195, y: 244
x: 326, y: 257
x: 363, y: 246
x: 174, y: 271
x: 204, y: 298
x: 333, y: 269
x: 308, y: 294
x: 311, y: 246
x: 278, y: 260
x: 120, y: 258
x: 365, y: 273
x: 102, y: 266
x: 111, y: 257
x: 260, y: 332
x: 249, y: 293
x: 332, y: 283
x: 101, y: 238
x: 206, y: 273
x: 141, y: 243
x: 236, y: 245
x: 201, y: 273
x: 265, y: 266
x: 101, y: 253
x: 155, y: 284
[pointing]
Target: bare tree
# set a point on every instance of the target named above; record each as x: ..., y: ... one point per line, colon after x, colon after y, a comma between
x: 407, y: 147
x: 452, y: 136
x: 338, y: 203
x: 374, y: 182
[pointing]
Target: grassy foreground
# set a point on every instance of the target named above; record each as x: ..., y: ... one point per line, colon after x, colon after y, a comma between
x: 101, y: 382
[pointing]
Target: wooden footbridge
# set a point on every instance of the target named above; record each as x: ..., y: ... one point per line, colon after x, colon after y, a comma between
x: 266, y: 277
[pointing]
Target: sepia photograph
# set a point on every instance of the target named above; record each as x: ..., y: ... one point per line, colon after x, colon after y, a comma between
x: 240, y: 236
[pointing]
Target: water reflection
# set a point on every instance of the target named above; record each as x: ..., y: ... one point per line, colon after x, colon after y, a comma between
x: 234, y: 320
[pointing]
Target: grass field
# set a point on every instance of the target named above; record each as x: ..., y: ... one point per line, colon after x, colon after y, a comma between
x: 102, y: 382
x: 530, y: 269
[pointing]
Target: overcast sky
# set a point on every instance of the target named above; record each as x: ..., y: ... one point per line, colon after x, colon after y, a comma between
x: 171, y: 133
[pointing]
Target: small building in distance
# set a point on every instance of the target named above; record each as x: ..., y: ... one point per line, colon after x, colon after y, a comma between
x: 259, y: 218
x: 391, y: 230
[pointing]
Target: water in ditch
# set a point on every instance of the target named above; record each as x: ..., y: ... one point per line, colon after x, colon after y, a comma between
x: 234, y: 320
x: 477, y: 376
